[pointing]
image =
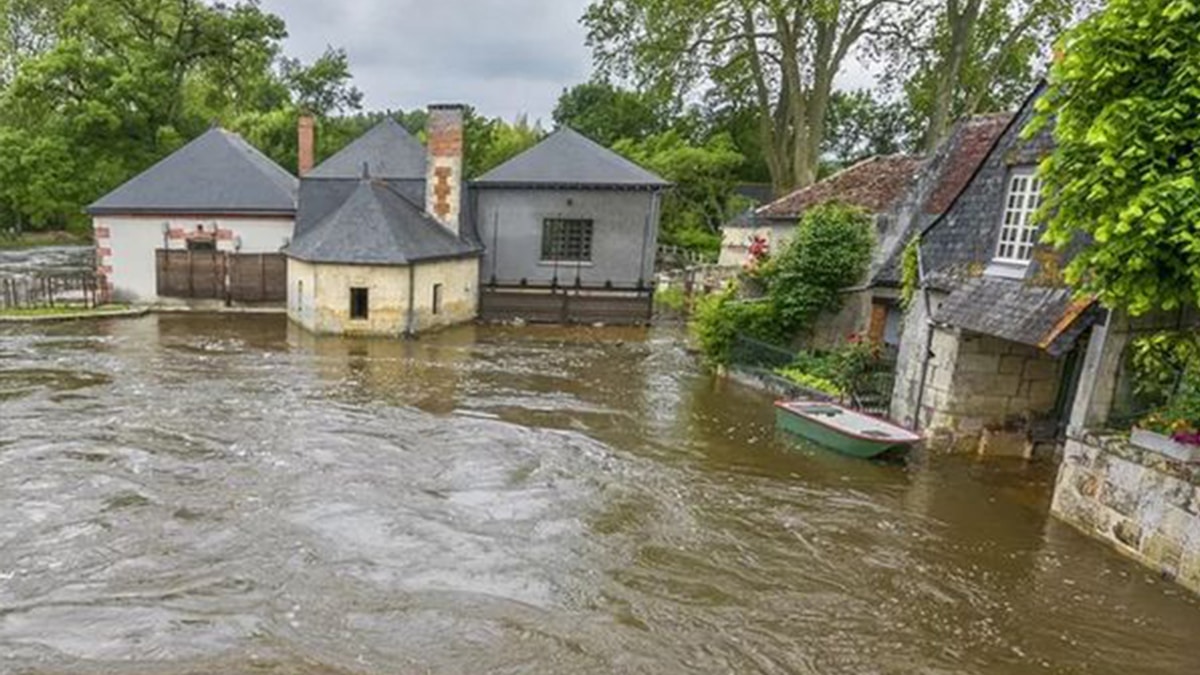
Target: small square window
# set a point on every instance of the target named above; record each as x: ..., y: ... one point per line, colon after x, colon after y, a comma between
x: 359, y: 304
x: 566, y: 240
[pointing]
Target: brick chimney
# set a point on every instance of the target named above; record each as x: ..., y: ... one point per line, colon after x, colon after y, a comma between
x: 443, y: 171
x: 306, y: 147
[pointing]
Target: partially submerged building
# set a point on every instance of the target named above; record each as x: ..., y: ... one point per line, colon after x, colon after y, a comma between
x: 379, y: 247
x: 991, y: 346
x: 162, y: 237
x: 570, y: 230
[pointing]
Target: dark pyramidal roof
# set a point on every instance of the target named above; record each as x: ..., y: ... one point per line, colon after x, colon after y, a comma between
x: 375, y: 225
x: 567, y: 158
x: 218, y: 172
x: 387, y: 149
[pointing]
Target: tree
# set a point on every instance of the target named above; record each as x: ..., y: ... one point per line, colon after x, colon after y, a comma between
x: 704, y: 176
x: 607, y: 114
x: 322, y: 87
x: 782, y: 56
x: 1124, y: 176
x: 861, y: 125
x: 502, y: 142
x: 978, y: 56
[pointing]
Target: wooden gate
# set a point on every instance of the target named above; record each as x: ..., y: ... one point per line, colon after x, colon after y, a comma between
x: 216, y: 275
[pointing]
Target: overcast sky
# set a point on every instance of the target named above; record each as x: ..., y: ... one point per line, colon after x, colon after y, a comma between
x: 504, y: 57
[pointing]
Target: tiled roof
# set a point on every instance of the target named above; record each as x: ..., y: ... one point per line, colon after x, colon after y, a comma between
x: 874, y: 184
x: 218, y: 172
x: 387, y: 148
x: 1049, y: 318
x: 375, y: 225
x: 966, y: 148
x: 567, y: 158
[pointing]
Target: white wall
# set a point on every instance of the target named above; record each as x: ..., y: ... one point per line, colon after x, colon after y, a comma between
x: 126, y: 246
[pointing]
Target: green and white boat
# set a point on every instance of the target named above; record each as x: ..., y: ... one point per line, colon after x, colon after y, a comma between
x: 842, y: 429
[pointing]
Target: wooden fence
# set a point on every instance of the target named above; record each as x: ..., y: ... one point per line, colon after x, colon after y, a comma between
x: 216, y: 275
x: 68, y: 289
x: 566, y: 305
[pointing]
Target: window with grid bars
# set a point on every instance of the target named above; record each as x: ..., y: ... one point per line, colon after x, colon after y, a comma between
x: 1018, y: 234
x: 566, y: 240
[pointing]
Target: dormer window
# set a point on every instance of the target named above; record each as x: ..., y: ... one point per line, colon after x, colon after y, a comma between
x: 1018, y: 232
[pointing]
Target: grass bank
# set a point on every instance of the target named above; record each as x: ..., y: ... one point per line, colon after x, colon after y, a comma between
x: 65, y: 312
x: 38, y: 239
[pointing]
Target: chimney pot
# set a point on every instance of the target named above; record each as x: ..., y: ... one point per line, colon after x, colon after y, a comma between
x: 306, y: 153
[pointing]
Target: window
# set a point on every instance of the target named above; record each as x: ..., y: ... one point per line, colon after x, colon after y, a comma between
x: 201, y: 244
x: 1018, y: 232
x: 437, y: 299
x: 566, y: 240
x: 359, y: 307
x: 299, y: 295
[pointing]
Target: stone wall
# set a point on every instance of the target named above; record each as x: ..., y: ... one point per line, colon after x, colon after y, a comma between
x: 1142, y: 503
x: 319, y: 296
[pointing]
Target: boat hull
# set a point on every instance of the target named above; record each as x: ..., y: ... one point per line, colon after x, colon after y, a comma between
x: 832, y: 438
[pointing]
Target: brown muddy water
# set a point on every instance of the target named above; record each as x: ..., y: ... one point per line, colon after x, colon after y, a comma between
x: 190, y: 494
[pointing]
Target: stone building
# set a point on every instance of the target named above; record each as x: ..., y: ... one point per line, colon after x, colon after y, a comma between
x: 991, y: 346
x: 570, y: 231
x: 379, y: 248
x: 215, y: 194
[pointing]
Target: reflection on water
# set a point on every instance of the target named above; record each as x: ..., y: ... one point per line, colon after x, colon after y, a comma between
x: 227, y: 494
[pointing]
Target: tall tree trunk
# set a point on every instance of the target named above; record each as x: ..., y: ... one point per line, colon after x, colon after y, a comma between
x: 961, y: 19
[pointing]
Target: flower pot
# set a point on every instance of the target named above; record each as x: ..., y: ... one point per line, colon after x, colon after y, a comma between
x: 1156, y: 442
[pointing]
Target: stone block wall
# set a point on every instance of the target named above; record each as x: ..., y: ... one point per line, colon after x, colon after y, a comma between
x: 978, y: 384
x: 1142, y: 503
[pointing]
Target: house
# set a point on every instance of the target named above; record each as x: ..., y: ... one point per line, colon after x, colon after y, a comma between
x: 875, y: 185
x: 991, y: 347
x: 570, y: 231
x: 215, y: 195
x: 380, y: 246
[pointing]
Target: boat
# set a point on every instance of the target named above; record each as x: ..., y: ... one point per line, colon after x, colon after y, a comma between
x: 847, y: 431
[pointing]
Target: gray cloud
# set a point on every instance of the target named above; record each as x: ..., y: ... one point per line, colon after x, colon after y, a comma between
x: 504, y: 57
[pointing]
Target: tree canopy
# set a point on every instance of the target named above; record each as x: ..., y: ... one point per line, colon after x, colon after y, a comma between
x: 1124, y: 99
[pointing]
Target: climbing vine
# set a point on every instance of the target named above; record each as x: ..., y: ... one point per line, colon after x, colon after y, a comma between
x: 910, y: 272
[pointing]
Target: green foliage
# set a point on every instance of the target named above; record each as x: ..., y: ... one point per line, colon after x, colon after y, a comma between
x: 840, y: 372
x: 607, y: 114
x: 1163, y: 360
x: 829, y: 253
x: 720, y: 317
x: 1125, y: 173
x: 671, y: 298
x: 95, y: 91
x: 498, y: 142
x: 704, y: 175
x: 861, y: 125
x: 910, y: 272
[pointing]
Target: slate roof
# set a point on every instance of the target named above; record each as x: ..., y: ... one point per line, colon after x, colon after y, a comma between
x: 375, y: 225
x: 965, y: 149
x: 389, y: 150
x: 1049, y: 318
x: 873, y: 184
x: 218, y: 172
x: 567, y: 158
x: 948, y: 172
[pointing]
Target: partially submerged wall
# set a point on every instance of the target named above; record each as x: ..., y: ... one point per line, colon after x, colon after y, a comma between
x: 1144, y: 504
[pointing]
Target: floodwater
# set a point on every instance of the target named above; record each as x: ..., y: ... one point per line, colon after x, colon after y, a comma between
x: 202, y: 494
x: 57, y: 259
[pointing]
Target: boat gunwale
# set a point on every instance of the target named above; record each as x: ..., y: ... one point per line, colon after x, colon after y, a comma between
x: 914, y: 436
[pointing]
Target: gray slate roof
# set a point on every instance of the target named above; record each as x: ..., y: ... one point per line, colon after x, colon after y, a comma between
x: 218, y: 172
x: 1046, y: 317
x: 389, y: 150
x: 375, y: 225
x: 567, y: 158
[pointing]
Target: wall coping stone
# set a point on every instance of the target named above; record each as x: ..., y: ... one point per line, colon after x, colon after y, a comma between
x: 1118, y: 444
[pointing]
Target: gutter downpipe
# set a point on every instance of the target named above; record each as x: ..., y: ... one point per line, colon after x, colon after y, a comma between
x: 927, y: 355
x: 410, y: 327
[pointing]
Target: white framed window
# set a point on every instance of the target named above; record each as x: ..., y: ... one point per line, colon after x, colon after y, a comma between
x: 1018, y: 232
